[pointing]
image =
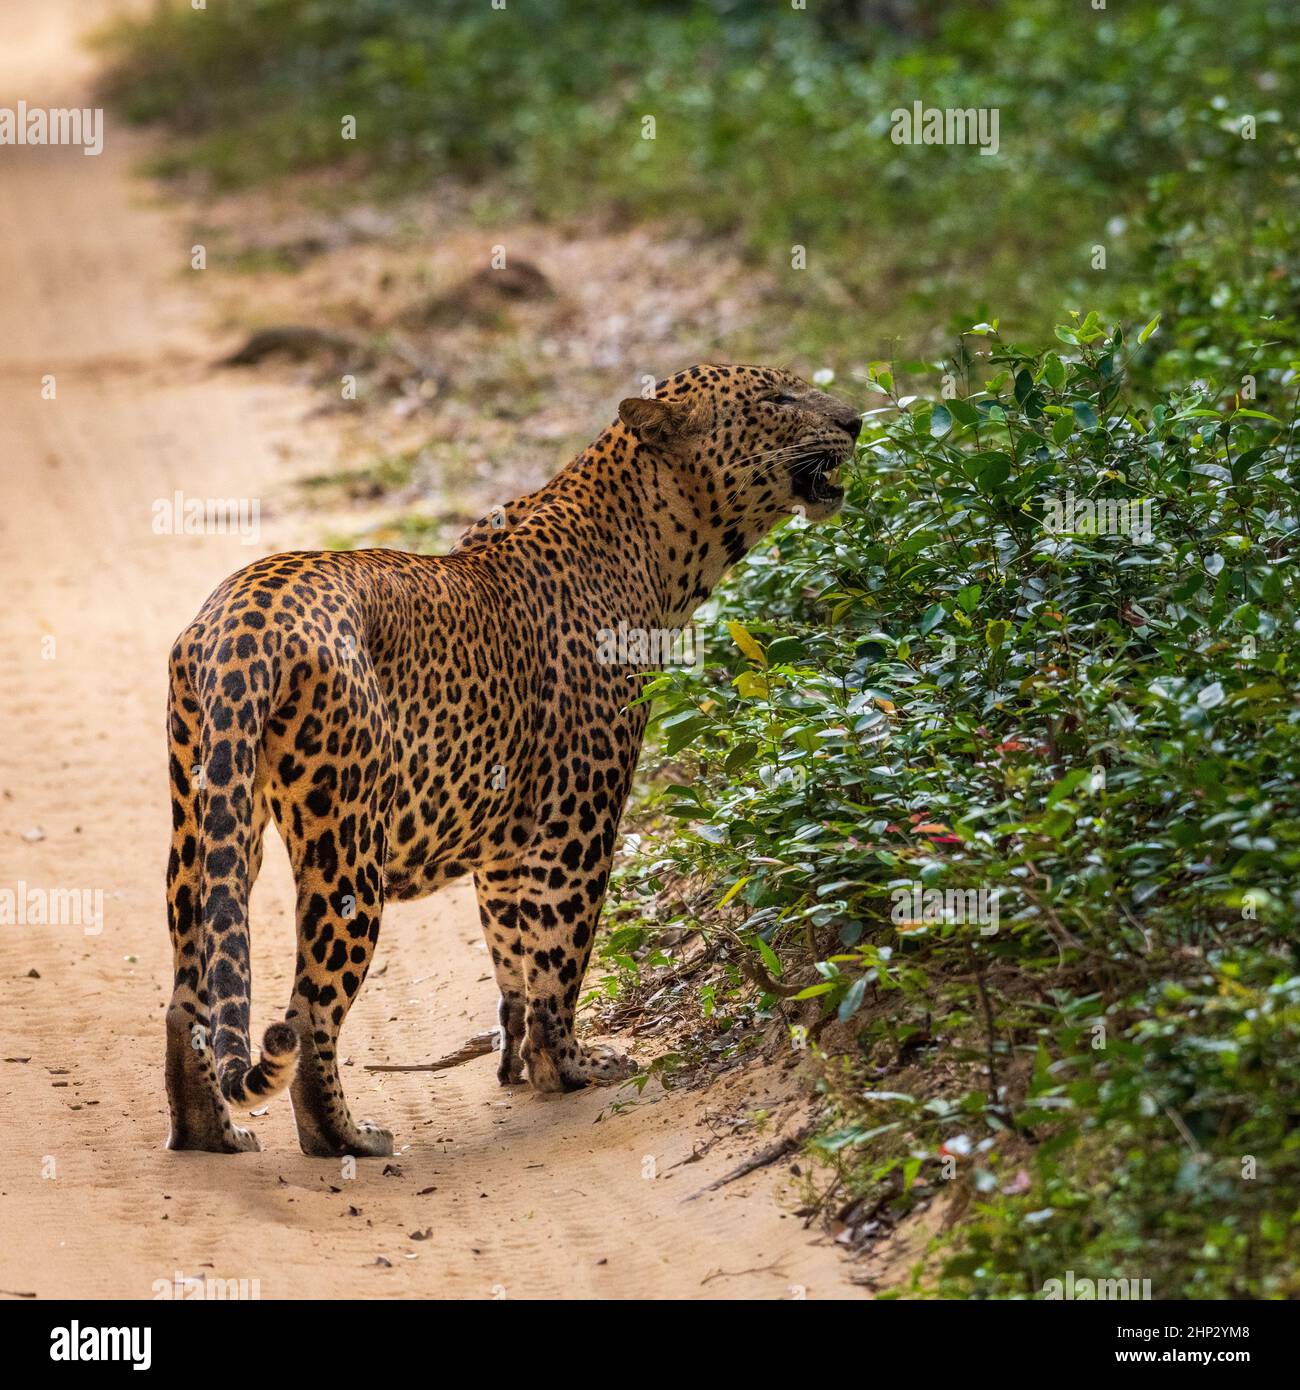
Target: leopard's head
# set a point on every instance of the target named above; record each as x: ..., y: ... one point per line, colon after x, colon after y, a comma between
x: 755, y: 444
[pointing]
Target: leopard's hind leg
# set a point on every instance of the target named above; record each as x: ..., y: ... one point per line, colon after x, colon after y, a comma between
x: 200, y: 1117
x: 330, y: 755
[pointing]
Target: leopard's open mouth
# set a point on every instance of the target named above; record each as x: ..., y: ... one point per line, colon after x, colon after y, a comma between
x: 817, y: 478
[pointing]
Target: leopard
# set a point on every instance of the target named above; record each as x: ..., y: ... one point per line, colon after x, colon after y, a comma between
x: 405, y: 720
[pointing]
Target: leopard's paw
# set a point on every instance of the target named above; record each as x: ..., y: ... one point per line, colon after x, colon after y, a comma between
x: 543, y: 1073
x: 569, y: 1066
x: 593, y: 1066
x: 226, y: 1139
x: 365, y: 1140
x: 510, y: 1069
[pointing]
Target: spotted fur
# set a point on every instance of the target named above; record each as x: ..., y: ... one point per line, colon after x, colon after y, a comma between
x: 404, y: 720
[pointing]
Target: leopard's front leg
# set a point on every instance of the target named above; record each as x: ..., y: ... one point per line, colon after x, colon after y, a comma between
x: 561, y: 893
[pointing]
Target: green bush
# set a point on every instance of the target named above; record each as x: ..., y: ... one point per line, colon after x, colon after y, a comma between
x: 971, y: 684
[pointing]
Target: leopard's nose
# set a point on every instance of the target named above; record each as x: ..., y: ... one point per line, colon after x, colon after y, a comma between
x: 852, y: 424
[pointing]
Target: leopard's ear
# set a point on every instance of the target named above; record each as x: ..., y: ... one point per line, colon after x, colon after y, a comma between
x: 652, y: 421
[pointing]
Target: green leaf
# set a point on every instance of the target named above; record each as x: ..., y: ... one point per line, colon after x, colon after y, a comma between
x: 852, y: 1001
x: 770, y: 959
x: 995, y: 632
x: 682, y: 734
x: 1066, y: 785
x: 989, y: 469
x: 740, y: 757
x: 785, y: 650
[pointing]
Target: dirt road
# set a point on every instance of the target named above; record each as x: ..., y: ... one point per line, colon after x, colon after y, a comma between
x: 108, y: 406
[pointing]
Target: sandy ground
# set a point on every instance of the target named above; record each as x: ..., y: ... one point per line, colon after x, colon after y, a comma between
x: 492, y: 1193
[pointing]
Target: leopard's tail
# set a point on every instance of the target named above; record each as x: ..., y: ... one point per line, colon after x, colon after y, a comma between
x: 230, y: 736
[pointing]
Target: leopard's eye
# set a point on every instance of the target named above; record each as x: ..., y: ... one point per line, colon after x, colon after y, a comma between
x: 781, y: 398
